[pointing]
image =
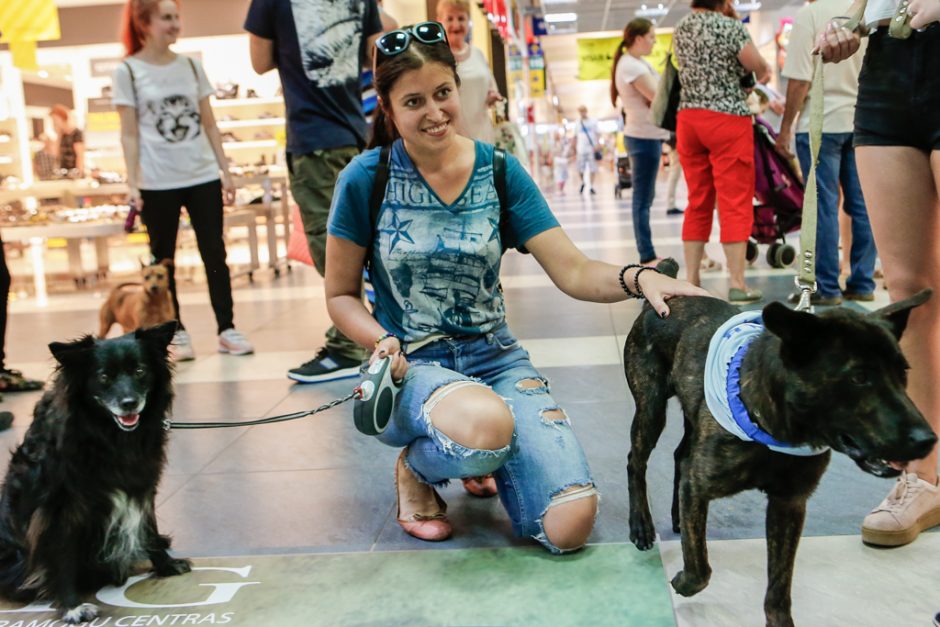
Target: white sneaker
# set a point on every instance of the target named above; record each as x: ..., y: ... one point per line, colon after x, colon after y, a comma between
x: 182, y: 346
x: 234, y: 343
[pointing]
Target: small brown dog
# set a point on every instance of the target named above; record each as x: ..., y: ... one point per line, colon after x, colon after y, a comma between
x: 135, y: 305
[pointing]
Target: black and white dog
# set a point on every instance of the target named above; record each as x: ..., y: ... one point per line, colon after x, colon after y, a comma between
x: 77, y: 507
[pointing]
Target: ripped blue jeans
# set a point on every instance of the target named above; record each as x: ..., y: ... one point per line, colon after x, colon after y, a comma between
x: 544, y: 458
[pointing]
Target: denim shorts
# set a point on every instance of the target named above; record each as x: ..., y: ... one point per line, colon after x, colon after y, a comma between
x: 899, y: 91
x: 544, y: 457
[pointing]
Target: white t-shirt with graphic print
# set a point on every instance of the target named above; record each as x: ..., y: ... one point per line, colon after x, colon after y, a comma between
x: 174, y: 149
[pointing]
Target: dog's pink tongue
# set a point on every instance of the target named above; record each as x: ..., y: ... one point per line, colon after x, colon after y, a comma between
x: 130, y: 420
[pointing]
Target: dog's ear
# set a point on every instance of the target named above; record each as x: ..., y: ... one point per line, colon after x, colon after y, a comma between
x: 160, y: 335
x: 896, y: 314
x: 799, y: 331
x: 166, y: 263
x: 69, y: 353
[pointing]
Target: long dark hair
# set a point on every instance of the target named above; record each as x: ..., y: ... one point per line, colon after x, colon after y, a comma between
x: 387, y: 72
x: 636, y: 27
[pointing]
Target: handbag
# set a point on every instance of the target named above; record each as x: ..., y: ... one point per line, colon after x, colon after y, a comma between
x: 297, y: 247
x: 665, y: 106
x: 598, y: 155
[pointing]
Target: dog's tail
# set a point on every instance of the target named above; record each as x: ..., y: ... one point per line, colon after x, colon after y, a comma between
x: 669, y: 267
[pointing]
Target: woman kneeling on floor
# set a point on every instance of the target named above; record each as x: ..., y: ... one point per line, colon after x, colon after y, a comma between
x: 471, y: 404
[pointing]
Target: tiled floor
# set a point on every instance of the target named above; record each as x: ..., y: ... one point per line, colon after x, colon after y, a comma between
x: 308, y: 507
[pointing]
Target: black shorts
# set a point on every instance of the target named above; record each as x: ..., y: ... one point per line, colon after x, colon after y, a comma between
x: 899, y: 91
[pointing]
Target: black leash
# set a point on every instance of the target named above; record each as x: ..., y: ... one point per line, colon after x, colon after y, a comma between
x: 169, y: 424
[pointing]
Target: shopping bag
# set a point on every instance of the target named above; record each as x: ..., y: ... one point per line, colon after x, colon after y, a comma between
x: 297, y: 248
x: 665, y: 105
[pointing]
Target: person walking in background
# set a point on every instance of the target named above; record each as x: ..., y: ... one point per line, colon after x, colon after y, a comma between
x: 587, y: 148
x: 326, y: 127
x: 897, y: 149
x: 561, y: 159
x: 672, y: 181
x: 836, y: 165
x: 634, y: 81
x: 477, y: 89
x: 173, y: 156
x: 71, y: 141
x: 10, y: 380
x: 715, y: 136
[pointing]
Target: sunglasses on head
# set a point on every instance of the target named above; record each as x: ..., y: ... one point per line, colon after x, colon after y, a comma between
x: 397, y: 41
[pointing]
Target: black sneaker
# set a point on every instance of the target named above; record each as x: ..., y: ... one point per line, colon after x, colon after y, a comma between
x: 936, y: 620
x: 6, y: 420
x: 325, y: 367
x: 674, y: 211
x: 817, y: 300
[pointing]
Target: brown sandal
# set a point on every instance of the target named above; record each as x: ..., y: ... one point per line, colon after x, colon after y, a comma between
x: 429, y: 527
x: 14, y: 381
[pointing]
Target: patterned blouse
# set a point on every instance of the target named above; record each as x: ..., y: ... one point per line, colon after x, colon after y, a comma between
x: 706, y: 48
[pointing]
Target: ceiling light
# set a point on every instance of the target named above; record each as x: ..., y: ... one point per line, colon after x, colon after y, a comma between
x: 646, y: 11
x: 553, y: 18
x: 746, y: 7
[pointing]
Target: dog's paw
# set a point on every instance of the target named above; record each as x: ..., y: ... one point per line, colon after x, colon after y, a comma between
x: 686, y: 584
x: 172, y: 567
x: 80, y: 614
x: 642, y: 531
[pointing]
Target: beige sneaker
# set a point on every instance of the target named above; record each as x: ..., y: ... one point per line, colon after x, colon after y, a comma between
x: 912, y: 506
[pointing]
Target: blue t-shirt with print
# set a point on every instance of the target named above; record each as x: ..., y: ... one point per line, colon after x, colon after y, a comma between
x: 319, y: 47
x: 435, y: 267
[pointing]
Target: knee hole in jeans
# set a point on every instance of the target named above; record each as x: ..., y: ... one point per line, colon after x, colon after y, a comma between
x: 532, y: 386
x: 569, y: 519
x: 471, y: 415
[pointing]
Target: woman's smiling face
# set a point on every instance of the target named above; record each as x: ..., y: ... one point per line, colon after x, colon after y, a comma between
x: 424, y: 106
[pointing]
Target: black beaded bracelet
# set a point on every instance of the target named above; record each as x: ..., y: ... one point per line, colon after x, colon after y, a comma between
x: 636, y: 279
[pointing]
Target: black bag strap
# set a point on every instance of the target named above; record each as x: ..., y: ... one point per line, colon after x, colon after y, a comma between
x: 584, y: 128
x: 499, y: 180
x: 130, y: 71
x: 379, y: 185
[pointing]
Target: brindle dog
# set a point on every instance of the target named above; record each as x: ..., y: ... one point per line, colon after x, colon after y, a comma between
x: 836, y: 379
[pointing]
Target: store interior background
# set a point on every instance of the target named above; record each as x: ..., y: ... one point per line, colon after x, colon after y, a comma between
x: 320, y: 494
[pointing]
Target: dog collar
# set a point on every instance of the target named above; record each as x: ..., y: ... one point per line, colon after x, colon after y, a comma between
x: 726, y: 353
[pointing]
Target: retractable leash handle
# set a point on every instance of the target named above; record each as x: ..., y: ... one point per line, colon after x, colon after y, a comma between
x: 373, y: 407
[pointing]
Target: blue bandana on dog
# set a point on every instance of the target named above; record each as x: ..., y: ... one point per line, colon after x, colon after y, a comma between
x: 723, y: 383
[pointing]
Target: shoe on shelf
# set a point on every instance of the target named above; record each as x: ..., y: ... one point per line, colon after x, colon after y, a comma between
x: 737, y: 295
x: 325, y: 366
x: 431, y: 526
x: 674, y: 211
x: 14, y: 381
x: 817, y: 299
x: 6, y: 420
x: 912, y: 506
x: 234, y: 343
x: 866, y: 297
x: 181, y: 348
x: 483, y: 487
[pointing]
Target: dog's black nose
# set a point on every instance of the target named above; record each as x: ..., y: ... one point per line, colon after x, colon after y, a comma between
x: 922, y: 441
x: 128, y: 404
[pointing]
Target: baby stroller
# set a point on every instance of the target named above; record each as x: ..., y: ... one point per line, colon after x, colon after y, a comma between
x: 778, y: 199
x: 624, y: 178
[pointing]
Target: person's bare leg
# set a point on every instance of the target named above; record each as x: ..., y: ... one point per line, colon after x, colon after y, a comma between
x: 693, y: 252
x: 900, y: 186
x: 736, y: 256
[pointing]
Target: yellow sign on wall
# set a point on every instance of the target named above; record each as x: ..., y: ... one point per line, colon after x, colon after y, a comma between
x: 596, y: 56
